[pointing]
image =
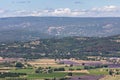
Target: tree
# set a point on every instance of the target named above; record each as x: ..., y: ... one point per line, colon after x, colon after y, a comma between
x: 110, y: 72
x: 37, y: 71
x: 83, y: 64
x: 71, y: 65
x: 19, y: 65
x: 70, y: 74
x: 50, y: 71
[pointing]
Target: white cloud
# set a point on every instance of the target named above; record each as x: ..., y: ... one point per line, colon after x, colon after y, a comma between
x: 105, y: 11
x: 2, y: 11
x: 67, y: 12
x: 106, y: 8
x: 35, y: 13
x: 62, y: 11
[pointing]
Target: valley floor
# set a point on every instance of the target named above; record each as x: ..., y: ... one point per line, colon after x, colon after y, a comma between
x: 48, y: 69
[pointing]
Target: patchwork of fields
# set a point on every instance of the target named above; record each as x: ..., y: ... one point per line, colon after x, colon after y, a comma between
x: 64, y: 69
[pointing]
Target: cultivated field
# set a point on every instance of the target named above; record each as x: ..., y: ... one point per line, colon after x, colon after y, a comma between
x: 117, y: 77
x: 41, y: 69
x: 45, y: 63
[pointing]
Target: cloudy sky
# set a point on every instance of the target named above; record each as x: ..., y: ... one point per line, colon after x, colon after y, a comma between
x: 68, y: 8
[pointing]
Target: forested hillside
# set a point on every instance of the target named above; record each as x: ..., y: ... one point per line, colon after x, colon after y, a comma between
x: 63, y: 47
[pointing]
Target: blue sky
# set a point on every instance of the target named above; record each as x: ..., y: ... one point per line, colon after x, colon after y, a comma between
x: 69, y: 8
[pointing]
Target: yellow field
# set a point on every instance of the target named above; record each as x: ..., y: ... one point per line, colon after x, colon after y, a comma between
x: 53, y: 63
x: 45, y: 63
x: 78, y: 71
x: 5, y: 69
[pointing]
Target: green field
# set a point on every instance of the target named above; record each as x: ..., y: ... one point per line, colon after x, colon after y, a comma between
x: 32, y: 75
x: 44, y: 75
x: 28, y: 71
x: 74, y: 67
x: 50, y: 72
x: 98, y: 72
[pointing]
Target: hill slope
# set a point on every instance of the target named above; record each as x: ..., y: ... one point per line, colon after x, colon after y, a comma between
x: 64, y: 47
x: 29, y: 28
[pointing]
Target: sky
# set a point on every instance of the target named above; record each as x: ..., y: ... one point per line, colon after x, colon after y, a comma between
x: 60, y: 8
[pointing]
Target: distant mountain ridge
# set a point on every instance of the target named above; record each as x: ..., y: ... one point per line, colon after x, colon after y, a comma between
x: 31, y: 28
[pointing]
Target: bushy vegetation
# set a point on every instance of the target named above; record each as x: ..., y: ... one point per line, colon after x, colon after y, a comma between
x: 19, y: 65
x: 114, y: 72
x: 57, y: 49
x: 69, y: 47
x: 9, y: 74
x: 95, y: 67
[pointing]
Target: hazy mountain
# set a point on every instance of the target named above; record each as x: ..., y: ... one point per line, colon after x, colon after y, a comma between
x: 29, y: 28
